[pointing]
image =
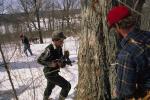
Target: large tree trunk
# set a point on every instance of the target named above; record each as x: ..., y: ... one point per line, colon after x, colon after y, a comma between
x: 93, y: 66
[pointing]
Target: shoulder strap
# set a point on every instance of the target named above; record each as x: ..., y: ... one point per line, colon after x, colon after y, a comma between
x: 50, y: 47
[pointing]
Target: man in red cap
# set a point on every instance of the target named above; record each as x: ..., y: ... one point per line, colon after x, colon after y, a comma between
x: 133, y: 60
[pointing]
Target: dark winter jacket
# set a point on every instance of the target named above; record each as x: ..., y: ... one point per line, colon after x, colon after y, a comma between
x: 25, y: 40
x: 50, y: 54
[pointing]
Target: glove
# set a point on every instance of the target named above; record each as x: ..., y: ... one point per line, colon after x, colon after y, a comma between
x: 61, y: 64
x: 66, y: 54
x: 53, y: 64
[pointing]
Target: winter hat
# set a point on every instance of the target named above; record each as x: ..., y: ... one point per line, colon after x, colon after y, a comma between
x: 117, y: 14
x: 58, y: 35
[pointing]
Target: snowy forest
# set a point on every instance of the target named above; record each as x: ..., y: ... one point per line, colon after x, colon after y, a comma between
x: 92, y: 46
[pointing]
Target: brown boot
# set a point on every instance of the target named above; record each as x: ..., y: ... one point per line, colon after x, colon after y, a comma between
x: 61, y: 98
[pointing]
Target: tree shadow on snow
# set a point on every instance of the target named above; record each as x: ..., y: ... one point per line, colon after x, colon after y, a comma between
x: 27, y: 64
x: 8, y: 94
x: 20, y: 65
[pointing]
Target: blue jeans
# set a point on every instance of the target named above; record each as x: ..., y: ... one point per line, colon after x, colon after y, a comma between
x: 27, y: 47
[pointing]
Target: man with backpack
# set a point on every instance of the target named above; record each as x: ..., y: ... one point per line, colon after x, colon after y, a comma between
x: 133, y: 60
x: 51, y: 59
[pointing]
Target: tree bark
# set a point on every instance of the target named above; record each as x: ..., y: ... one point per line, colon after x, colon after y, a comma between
x: 97, y: 51
x: 93, y: 66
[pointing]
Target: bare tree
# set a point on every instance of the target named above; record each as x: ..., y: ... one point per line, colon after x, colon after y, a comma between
x: 67, y: 7
x: 27, y: 7
x: 37, y: 5
x: 8, y: 72
x: 47, y: 7
x: 32, y: 11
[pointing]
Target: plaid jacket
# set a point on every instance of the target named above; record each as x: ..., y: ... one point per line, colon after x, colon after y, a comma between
x: 133, y: 68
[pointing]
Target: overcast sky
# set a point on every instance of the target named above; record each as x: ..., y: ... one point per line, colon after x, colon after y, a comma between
x: 7, y: 4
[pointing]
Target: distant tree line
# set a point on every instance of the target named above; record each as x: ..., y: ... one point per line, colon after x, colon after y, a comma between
x: 39, y: 16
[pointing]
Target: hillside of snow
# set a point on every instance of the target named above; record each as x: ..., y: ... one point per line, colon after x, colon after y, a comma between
x: 27, y: 74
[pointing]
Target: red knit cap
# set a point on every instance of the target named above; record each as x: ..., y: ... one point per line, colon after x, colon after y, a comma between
x: 116, y: 14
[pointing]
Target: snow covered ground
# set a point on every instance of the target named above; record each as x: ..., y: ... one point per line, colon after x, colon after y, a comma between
x: 27, y: 75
